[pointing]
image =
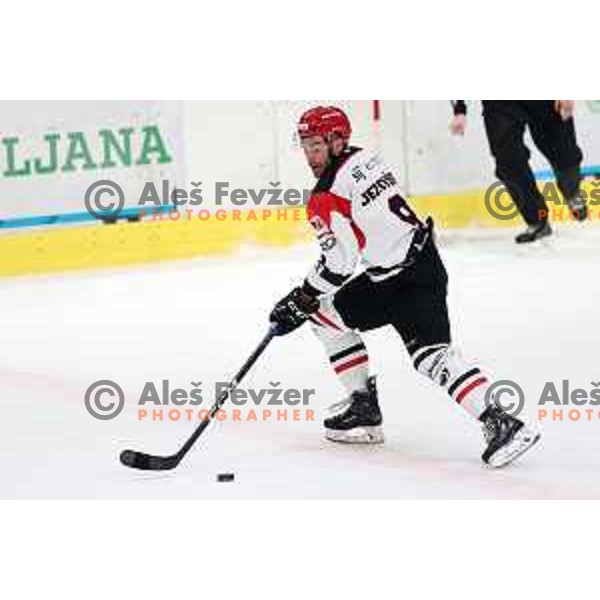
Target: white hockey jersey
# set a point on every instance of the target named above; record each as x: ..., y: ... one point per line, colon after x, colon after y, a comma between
x: 358, y: 211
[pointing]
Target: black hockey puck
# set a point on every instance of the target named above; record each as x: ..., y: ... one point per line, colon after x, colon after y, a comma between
x: 225, y: 477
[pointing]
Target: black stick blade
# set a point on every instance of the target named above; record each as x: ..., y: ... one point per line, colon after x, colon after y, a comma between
x: 147, y: 462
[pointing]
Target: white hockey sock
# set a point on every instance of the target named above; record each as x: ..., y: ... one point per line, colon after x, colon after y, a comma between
x: 465, y: 383
x: 350, y: 362
x: 346, y: 350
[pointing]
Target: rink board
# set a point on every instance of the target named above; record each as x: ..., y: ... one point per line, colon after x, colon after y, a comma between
x: 54, y: 152
x: 65, y: 248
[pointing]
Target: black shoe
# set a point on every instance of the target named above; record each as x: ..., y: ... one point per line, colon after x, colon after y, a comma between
x: 507, y: 437
x: 534, y: 232
x: 357, y: 419
x: 578, y: 207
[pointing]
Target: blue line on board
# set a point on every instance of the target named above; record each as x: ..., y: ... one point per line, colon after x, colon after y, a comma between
x: 83, y: 217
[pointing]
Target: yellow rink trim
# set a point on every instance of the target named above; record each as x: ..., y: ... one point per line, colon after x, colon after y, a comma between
x: 100, y: 245
x: 469, y: 209
x: 58, y: 249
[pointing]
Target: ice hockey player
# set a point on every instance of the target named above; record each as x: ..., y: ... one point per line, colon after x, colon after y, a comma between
x: 357, y: 210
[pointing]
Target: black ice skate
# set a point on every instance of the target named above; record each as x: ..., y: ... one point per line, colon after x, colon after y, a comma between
x: 578, y: 207
x: 534, y: 232
x: 507, y: 437
x: 357, y: 420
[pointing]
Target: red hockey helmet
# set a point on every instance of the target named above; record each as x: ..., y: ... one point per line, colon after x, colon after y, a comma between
x: 323, y: 121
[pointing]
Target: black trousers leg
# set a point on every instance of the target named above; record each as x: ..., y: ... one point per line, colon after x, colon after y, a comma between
x: 505, y: 122
x: 557, y: 141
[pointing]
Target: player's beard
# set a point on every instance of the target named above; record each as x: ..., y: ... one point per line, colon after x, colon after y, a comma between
x: 317, y: 170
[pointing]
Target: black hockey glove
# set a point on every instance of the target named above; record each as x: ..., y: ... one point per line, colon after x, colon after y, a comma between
x: 293, y: 310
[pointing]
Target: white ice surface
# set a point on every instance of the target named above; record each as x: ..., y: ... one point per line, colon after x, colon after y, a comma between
x: 531, y: 315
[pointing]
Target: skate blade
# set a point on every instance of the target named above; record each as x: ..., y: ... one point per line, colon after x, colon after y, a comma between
x: 523, y: 441
x: 541, y: 246
x: 358, y: 435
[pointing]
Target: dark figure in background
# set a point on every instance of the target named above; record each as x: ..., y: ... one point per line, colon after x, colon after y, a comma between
x: 550, y: 123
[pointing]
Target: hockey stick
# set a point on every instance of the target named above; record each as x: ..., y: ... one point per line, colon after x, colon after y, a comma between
x: 149, y: 462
